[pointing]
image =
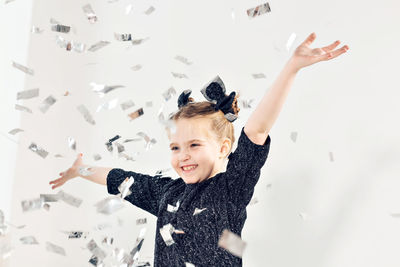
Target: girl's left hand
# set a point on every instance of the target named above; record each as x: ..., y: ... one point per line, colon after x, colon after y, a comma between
x: 304, y: 55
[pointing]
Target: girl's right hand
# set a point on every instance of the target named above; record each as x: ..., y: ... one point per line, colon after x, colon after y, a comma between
x: 68, y: 174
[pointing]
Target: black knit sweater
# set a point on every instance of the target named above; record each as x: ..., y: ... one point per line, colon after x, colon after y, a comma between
x: 225, y: 197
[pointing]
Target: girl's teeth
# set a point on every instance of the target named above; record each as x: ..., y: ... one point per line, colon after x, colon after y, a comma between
x: 189, y: 168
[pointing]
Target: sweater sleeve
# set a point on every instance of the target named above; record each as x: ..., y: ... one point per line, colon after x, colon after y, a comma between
x: 146, y: 189
x: 244, y: 167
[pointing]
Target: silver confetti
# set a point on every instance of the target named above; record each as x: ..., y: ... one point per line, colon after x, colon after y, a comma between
x: 50, y: 197
x: 102, y: 89
x: 303, y: 216
x: 179, y: 75
x: 96, y: 250
x: 38, y: 150
x: 89, y: 13
x: 123, y: 37
x: 95, y: 261
x: 331, y: 156
x: 133, y: 115
x: 96, y: 157
x: 259, y: 76
x: 98, y: 46
x: 269, y: 186
x: 136, y: 67
x: 128, y: 9
x: 54, y: 248
x: 15, y: 131
x: 290, y: 41
x: 127, y: 104
x: 85, y: 113
x: 198, y: 211
x: 258, y: 10
x: 69, y: 199
x: 141, y: 221
x: 149, y: 10
x: 293, y: 136
x: 33, y: 204
x: 139, y: 41
x: 85, y: 171
x: 232, y: 243
x: 27, y: 94
x: 108, y: 240
x: 149, y: 104
x: 173, y: 209
x: 71, y: 143
x: 76, y: 234
x: 188, y: 264
x: 166, y: 232
x: 253, y: 201
x: 124, y: 187
x: 36, y: 30
x: 23, y: 68
x: 127, y: 157
x: 110, y: 205
x: 28, y: 240
x: 183, y: 60
x: 60, y: 28
x: 103, y: 226
x: 169, y: 93
x: 47, y: 103
x: 149, y: 142
x: 108, y: 105
x: 22, y: 108
x: 246, y: 103
x: 120, y: 148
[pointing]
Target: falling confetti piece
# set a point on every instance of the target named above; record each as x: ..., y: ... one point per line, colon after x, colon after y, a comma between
x: 258, y: 10
x: 232, y: 243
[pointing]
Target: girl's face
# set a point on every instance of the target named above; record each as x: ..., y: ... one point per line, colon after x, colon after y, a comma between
x: 194, y: 145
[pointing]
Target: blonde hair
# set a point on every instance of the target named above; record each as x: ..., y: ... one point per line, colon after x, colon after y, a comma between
x: 219, y: 124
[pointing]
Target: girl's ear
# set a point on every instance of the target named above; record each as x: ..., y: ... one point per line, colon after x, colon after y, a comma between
x: 225, y: 147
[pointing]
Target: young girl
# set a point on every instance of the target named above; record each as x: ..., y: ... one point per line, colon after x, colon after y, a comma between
x: 207, y: 199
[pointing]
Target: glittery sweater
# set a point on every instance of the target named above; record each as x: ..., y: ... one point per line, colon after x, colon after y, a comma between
x: 222, y: 198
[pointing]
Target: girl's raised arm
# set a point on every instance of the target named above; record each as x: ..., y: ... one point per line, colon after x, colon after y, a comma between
x: 94, y: 174
x: 263, y: 117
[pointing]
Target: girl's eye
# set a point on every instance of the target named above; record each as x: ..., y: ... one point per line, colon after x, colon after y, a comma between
x: 175, y: 147
x: 195, y: 144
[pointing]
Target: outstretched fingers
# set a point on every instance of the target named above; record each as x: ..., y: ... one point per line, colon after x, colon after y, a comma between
x: 309, y: 39
x: 335, y: 53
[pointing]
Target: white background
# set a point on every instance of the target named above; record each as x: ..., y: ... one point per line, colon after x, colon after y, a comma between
x: 314, y: 213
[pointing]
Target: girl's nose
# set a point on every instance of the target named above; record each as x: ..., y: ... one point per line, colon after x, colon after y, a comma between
x: 184, y: 155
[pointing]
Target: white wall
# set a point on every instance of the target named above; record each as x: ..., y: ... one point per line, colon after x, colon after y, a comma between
x: 347, y: 106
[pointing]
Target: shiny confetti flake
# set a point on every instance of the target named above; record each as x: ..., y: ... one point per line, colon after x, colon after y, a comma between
x: 304, y: 216
x: 76, y: 234
x: 123, y: 37
x: 149, y: 104
x: 188, y: 264
x: 331, y: 156
x: 120, y: 148
x: 110, y: 205
x: 69, y: 199
x: 148, y: 142
x: 28, y: 94
x: 198, y: 211
x: 23, y: 108
x: 96, y: 157
x: 23, y: 68
x: 259, y: 76
x: 38, y: 150
x: 95, y: 261
x: 293, y: 136
x: 141, y: 221
x: 253, y: 201
x: 179, y: 75
x: 85, y: 171
x: 184, y: 60
x: 55, y: 249
x: 88, y: 10
x: 33, y: 204
x: 246, y: 103
x: 290, y: 41
x: 36, y: 30
x: 86, y: 115
x: 102, y: 89
x: 128, y: 9
x: 96, y: 250
x: 47, y: 103
x: 127, y: 157
x: 98, y: 46
x: 149, y: 10
x: 71, y: 143
x: 50, y: 197
x: 15, y: 131
x: 60, y: 28
x: 139, y: 41
x: 127, y: 104
x: 232, y: 243
x: 28, y: 240
x: 136, y: 67
x: 166, y: 232
x: 70, y: 45
x: 108, y: 105
x: 173, y: 209
x: 169, y: 93
x: 136, y: 114
x: 124, y: 187
x: 258, y: 10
